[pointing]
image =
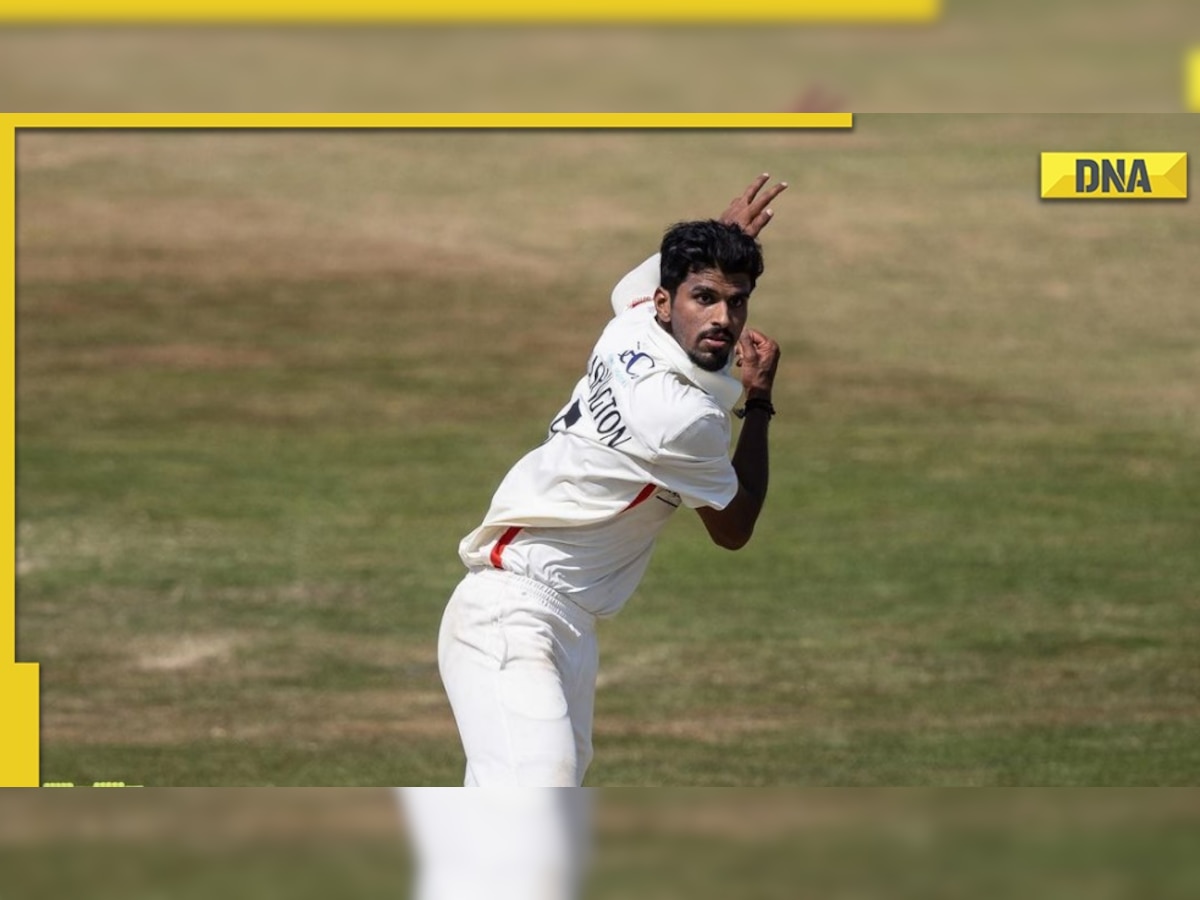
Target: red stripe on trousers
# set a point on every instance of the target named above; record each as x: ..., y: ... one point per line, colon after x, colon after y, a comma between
x: 505, y: 540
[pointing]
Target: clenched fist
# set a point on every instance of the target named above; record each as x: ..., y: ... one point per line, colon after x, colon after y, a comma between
x: 758, y: 358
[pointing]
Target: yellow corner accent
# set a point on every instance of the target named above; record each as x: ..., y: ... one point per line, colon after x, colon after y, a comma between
x: 19, y: 705
x: 19, y: 751
x: 1177, y: 175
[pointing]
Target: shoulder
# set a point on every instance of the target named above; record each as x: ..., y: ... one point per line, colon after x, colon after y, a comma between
x: 678, y: 418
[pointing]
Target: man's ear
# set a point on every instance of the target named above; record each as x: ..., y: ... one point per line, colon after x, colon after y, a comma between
x: 662, y: 305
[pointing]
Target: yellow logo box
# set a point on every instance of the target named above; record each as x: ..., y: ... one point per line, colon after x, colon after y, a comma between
x: 1114, y: 176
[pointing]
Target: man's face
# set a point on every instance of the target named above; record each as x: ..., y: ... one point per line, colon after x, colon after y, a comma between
x: 707, y: 315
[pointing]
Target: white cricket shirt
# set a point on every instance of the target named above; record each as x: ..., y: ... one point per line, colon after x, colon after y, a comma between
x: 645, y: 431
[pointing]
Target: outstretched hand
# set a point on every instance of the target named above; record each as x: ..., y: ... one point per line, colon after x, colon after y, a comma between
x: 751, y: 211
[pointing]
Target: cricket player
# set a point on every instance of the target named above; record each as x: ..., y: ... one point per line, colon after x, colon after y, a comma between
x: 572, y: 525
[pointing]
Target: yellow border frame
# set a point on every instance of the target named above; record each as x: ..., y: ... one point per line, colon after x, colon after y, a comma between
x: 645, y: 121
x: 19, y: 682
x: 1191, y: 80
x: 473, y: 11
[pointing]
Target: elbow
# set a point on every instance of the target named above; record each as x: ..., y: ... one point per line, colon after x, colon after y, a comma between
x: 732, y: 541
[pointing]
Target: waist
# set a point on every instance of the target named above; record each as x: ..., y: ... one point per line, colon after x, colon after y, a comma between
x: 578, y: 619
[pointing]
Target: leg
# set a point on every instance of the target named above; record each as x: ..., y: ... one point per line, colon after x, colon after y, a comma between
x: 581, y: 699
x: 500, y: 664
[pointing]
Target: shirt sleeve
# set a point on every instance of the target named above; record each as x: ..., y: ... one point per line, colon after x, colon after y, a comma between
x: 637, y: 286
x: 695, y: 463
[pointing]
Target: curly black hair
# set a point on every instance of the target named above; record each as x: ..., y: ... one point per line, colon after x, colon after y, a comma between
x: 689, y: 247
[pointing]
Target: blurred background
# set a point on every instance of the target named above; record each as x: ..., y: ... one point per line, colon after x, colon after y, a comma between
x: 247, y: 844
x: 981, y: 56
x: 267, y: 380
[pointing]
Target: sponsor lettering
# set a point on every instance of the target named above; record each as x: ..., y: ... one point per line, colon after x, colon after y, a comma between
x: 602, y: 404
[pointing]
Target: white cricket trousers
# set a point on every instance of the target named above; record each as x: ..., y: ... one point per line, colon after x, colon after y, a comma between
x: 518, y: 661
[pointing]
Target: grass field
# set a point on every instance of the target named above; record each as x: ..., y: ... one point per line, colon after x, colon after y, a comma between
x: 776, y: 845
x: 266, y: 381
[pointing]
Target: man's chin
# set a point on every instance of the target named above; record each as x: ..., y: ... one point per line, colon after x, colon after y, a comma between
x: 710, y: 362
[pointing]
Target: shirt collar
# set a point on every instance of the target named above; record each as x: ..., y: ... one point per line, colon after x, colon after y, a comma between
x: 722, y: 386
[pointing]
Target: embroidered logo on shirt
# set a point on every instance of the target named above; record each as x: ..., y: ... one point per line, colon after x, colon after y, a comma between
x: 632, y: 357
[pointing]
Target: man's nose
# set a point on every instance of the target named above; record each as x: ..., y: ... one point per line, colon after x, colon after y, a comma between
x: 719, y: 316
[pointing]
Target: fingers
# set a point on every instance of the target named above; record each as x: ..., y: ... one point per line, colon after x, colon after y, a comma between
x: 772, y: 192
x: 755, y: 337
x: 755, y: 203
x: 747, y: 347
x: 758, y: 213
x: 750, y: 210
x: 759, y: 347
x: 758, y: 223
x: 754, y: 187
x: 759, y: 358
x: 743, y: 342
x: 739, y: 211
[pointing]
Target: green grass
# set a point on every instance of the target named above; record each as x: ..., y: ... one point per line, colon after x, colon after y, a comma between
x: 267, y: 381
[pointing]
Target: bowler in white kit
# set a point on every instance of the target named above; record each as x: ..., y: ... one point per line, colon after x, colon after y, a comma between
x: 572, y: 526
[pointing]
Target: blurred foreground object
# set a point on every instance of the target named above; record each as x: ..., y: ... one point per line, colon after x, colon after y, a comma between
x: 498, y: 843
x: 185, y: 843
x: 699, y: 844
x: 897, y: 844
